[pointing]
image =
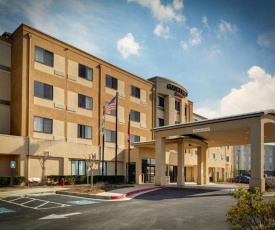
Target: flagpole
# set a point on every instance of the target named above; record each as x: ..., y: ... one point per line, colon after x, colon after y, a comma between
x: 129, y: 139
x: 116, y: 139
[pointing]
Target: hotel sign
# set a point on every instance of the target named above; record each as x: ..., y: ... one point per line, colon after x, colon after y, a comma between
x: 207, y: 129
x: 178, y: 91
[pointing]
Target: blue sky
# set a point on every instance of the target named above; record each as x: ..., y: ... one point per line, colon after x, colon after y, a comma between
x: 222, y: 51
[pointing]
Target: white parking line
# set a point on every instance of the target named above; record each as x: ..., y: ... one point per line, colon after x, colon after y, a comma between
x: 38, y: 207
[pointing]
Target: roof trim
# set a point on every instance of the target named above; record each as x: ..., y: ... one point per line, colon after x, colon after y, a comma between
x: 215, y: 120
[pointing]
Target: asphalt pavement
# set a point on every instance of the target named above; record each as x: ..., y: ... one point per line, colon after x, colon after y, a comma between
x: 117, y: 194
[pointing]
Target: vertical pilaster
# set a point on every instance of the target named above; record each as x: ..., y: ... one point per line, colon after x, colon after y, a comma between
x: 160, y: 178
x: 214, y: 174
x: 181, y: 178
x: 205, y: 166
x: 200, y: 167
x: 257, y: 156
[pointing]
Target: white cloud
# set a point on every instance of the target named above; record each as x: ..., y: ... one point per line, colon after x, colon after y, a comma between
x: 267, y: 39
x: 194, y: 40
x: 162, y: 31
x: 225, y: 27
x: 127, y: 46
x: 205, y: 22
x: 215, y: 51
x: 196, y: 37
x: 255, y: 95
x: 163, y: 13
x: 184, y: 45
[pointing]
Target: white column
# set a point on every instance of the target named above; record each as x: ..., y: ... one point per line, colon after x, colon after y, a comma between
x: 200, y: 167
x: 160, y: 178
x: 180, y: 178
x: 205, y: 166
x: 257, y: 156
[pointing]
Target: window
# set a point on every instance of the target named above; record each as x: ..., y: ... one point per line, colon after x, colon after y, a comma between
x: 177, y: 122
x: 85, y: 131
x: 134, y: 138
x: 160, y: 101
x: 213, y: 155
x: 222, y: 157
x: 85, y: 102
x: 135, y: 116
x: 177, y: 106
x: 85, y: 72
x: 103, y: 166
x: 227, y: 159
x: 110, y: 136
x: 135, y: 92
x: 43, y: 56
x: 160, y: 122
x: 111, y: 82
x: 78, y: 167
x: 43, y: 90
x: 43, y: 125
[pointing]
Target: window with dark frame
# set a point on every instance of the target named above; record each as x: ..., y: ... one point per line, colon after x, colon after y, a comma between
x: 42, y: 125
x: 135, y: 91
x: 85, y: 72
x: 177, y: 106
x: 134, y: 138
x: 160, y: 101
x: 111, y: 82
x: 160, y: 122
x: 43, y: 90
x: 43, y: 56
x: 134, y: 115
x: 110, y: 136
x: 85, y: 131
x: 85, y: 102
x: 79, y: 167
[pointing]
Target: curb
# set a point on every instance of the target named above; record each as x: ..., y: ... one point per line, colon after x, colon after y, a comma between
x: 115, y: 197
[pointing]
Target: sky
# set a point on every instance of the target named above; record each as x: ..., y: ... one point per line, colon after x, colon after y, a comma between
x: 221, y: 51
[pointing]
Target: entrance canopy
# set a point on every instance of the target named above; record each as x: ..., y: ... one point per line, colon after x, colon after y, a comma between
x: 252, y: 128
x: 225, y: 131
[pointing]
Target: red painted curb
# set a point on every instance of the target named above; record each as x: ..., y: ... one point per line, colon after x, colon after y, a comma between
x: 134, y: 192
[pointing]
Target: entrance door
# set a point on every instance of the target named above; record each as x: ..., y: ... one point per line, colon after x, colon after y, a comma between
x: 132, y: 176
x: 148, y: 170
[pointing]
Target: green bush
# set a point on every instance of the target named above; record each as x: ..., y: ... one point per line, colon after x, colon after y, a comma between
x: 251, y: 211
x: 109, y: 179
x: 270, y: 182
x: 7, y: 181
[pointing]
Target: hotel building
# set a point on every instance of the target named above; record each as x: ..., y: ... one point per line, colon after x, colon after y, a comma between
x: 51, y: 104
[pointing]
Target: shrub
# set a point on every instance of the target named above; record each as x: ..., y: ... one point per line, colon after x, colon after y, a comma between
x: 269, y: 183
x: 7, y: 181
x: 251, y: 211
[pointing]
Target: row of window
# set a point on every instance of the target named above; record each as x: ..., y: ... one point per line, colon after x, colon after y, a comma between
x: 47, y: 58
x: 213, y: 156
x: 161, y: 104
x: 46, y: 91
x: 45, y: 125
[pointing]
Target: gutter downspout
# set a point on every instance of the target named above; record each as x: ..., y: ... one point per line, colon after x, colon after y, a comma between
x: 28, y: 107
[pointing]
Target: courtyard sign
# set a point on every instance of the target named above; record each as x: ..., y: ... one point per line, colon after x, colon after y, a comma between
x: 207, y: 129
x: 178, y: 91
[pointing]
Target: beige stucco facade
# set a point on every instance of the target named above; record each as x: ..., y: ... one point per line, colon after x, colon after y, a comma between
x: 24, y: 144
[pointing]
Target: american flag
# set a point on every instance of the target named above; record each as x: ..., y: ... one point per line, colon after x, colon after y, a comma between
x: 111, y: 106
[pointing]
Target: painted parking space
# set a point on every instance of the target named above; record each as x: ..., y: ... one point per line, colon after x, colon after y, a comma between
x: 6, y: 210
x: 33, y: 203
x: 82, y: 202
x: 46, y: 201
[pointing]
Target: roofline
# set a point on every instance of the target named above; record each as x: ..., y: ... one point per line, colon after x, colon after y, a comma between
x: 22, y: 25
x: 215, y: 120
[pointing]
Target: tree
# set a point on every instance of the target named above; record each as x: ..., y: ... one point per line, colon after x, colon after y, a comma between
x: 251, y: 211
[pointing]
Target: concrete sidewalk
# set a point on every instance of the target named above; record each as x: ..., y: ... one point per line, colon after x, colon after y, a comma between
x: 111, y: 195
